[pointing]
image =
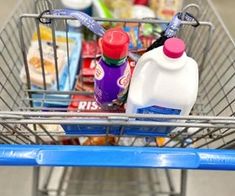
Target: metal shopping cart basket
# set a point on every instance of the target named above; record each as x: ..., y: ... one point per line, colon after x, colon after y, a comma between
x: 32, y: 134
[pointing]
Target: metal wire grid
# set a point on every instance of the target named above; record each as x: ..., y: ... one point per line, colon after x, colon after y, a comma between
x: 213, y: 132
x: 114, y: 182
x: 216, y: 88
x: 107, y: 181
x: 217, y: 77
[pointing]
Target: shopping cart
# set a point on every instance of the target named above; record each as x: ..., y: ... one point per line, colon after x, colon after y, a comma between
x: 31, y: 134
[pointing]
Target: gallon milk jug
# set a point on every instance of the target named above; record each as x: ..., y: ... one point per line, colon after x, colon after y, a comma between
x: 165, y: 81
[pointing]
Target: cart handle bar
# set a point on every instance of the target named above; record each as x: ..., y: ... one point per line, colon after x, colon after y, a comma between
x: 105, y: 156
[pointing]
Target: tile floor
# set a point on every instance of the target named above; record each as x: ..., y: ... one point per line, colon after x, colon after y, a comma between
x: 18, y: 180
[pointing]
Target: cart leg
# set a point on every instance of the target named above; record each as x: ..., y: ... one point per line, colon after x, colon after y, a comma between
x: 60, y: 191
x: 45, y: 183
x: 169, y: 182
x: 183, y: 182
x: 35, y: 188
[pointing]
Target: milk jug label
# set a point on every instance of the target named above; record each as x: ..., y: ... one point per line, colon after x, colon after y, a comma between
x: 158, y: 110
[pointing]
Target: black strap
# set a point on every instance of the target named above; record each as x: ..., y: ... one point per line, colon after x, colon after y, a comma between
x: 44, y: 20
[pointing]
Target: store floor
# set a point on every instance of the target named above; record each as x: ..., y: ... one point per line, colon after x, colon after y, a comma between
x: 18, y: 180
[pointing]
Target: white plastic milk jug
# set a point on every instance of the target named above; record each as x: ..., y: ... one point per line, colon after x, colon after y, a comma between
x: 165, y: 81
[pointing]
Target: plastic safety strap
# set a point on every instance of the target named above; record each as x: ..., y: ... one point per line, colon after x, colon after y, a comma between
x: 176, y: 22
x: 173, y: 28
x: 85, y: 19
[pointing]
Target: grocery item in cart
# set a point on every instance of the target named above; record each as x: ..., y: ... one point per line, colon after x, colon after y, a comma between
x: 100, y: 9
x: 86, y: 102
x: 46, y: 36
x: 48, y: 54
x: 99, y: 141
x: 112, y: 72
x: 88, y: 70
x: 165, y: 81
x: 79, y: 5
x: 141, y: 2
x: 67, y: 70
x: 90, y: 49
x: 82, y: 102
x: 141, y: 11
x: 34, y: 64
x: 133, y: 32
x: 165, y: 9
x: 120, y: 8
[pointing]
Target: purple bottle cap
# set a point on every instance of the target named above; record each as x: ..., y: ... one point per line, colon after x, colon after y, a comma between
x: 174, y: 47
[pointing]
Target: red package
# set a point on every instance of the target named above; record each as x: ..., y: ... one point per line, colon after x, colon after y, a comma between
x: 90, y: 49
x: 88, y: 70
x: 86, y: 103
x: 141, y: 2
x: 147, y: 40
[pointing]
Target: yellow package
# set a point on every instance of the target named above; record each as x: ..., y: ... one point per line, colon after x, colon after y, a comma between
x: 165, y: 9
x: 46, y: 35
x: 122, y: 8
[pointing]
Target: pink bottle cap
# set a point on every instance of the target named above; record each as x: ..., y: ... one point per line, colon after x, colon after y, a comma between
x: 174, y: 47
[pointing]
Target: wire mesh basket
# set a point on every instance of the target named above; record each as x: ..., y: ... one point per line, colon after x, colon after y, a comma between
x: 28, y: 119
x: 211, y: 124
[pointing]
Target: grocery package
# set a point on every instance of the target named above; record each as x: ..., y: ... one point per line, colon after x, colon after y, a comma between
x: 141, y: 11
x: 100, y: 9
x: 34, y: 64
x: 83, y: 6
x: 34, y: 57
x: 165, y: 81
x: 165, y: 9
x: 112, y: 72
x: 90, y: 54
x: 90, y: 49
x: 99, y: 30
x: 120, y: 8
x: 133, y: 31
x: 86, y: 103
x: 88, y: 70
x: 66, y: 74
x: 46, y: 36
x: 79, y: 5
x: 99, y: 141
x: 141, y: 2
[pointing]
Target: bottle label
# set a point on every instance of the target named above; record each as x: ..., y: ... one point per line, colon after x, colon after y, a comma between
x: 158, y: 110
x: 99, y: 72
x: 111, y: 84
x: 124, y: 80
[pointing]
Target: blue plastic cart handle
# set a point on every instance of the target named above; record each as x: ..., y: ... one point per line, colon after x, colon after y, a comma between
x: 45, y: 155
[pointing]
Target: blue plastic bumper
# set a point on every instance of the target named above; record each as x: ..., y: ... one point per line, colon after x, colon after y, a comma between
x: 36, y: 155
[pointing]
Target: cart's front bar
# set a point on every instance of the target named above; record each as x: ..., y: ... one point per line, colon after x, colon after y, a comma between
x: 175, y: 158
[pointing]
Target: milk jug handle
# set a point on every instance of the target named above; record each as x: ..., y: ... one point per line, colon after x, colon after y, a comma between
x: 143, y: 61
